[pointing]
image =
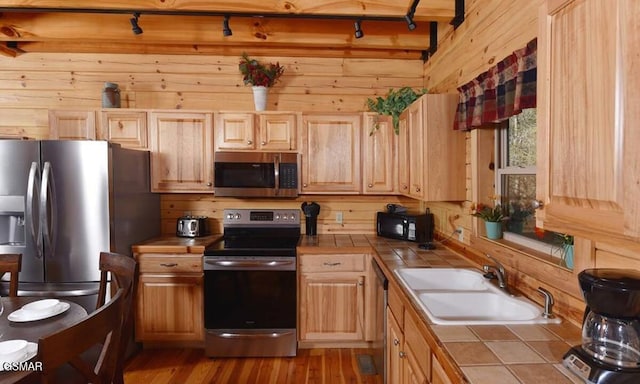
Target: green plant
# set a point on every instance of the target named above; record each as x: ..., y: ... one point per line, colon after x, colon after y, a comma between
x: 566, y: 239
x: 487, y: 213
x: 393, y: 104
x: 258, y: 74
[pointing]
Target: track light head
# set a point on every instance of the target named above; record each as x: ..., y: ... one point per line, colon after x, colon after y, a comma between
x: 409, y: 19
x: 358, y: 29
x: 134, y: 24
x: 226, y: 31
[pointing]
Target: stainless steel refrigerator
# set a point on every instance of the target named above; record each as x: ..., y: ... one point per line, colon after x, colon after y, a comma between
x: 63, y: 202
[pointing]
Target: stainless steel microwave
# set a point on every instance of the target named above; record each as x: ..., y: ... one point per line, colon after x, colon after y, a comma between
x: 256, y: 174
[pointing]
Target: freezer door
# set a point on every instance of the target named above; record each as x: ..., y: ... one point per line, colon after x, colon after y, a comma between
x: 74, y: 208
x: 19, y: 194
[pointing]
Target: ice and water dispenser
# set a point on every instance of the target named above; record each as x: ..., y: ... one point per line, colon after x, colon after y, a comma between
x: 12, y: 229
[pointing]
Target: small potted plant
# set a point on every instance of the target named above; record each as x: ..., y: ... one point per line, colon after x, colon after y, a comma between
x: 567, y: 249
x: 492, y: 218
x: 393, y: 104
x: 260, y: 76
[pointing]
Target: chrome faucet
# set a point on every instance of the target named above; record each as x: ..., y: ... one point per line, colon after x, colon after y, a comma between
x: 496, y: 272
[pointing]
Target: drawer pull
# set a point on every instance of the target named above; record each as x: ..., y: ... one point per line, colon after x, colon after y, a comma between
x: 402, y: 355
x: 332, y: 264
x: 169, y: 265
x: 396, y: 342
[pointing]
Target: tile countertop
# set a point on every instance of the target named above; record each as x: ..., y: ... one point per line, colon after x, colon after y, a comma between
x: 173, y: 244
x: 485, y: 354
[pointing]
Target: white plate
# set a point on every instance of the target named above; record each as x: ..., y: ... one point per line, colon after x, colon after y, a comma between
x: 22, y: 316
x: 32, y: 351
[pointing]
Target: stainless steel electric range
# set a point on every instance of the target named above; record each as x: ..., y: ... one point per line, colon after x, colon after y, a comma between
x: 250, y: 285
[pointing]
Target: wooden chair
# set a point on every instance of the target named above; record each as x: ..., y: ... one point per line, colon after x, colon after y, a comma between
x: 124, y: 275
x: 102, y: 327
x: 12, y: 263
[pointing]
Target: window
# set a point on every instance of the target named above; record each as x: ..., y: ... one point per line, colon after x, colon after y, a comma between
x: 516, y: 183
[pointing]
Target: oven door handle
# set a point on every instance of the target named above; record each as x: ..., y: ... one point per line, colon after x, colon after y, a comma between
x: 251, y: 263
x: 228, y: 335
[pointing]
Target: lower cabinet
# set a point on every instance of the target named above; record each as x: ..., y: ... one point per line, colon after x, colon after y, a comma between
x: 334, y: 298
x: 169, y: 302
x: 411, y: 355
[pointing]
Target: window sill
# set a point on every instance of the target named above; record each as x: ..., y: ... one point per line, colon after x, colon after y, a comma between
x: 524, y: 250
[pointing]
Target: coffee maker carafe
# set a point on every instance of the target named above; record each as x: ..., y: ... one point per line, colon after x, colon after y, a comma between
x: 610, y: 349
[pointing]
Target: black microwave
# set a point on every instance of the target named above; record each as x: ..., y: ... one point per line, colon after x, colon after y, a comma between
x: 406, y: 226
x: 256, y: 174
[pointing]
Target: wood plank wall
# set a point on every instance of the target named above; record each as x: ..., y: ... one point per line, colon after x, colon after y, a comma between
x: 32, y: 84
x: 492, y: 30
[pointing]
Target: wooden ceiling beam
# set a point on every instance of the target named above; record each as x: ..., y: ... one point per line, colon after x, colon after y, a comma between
x: 73, y: 28
x: 427, y: 10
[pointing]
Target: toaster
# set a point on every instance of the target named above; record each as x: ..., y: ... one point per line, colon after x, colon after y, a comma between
x: 191, y: 226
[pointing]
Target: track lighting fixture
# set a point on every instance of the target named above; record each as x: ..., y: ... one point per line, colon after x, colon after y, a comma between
x: 358, y: 33
x: 226, y: 31
x: 409, y: 19
x: 134, y: 24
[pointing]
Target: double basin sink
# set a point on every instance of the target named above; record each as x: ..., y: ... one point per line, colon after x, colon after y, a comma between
x: 453, y: 296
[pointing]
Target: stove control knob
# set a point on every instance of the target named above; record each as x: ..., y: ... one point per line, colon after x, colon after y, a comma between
x: 229, y: 216
x: 284, y: 217
x: 237, y: 216
x: 293, y: 216
x: 277, y: 216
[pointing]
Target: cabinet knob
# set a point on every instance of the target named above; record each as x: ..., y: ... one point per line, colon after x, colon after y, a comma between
x: 209, y: 184
x: 304, y: 185
x: 537, y: 204
x: 249, y: 142
x: 402, y: 355
x: 396, y: 342
x: 417, y: 189
x: 404, y: 187
x: 263, y: 143
x: 370, y: 185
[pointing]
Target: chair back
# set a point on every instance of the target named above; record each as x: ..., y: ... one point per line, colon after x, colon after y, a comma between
x: 12, y: 263
x: 124, y: 275
x: 101, y: 328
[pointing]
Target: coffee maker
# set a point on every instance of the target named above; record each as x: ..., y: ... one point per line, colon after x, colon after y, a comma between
x: 610, y: 349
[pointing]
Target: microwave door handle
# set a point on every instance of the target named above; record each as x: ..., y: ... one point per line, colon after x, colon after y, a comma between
x: 276, y: 172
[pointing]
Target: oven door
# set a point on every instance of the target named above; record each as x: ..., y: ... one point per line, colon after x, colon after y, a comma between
x: 250, y: 306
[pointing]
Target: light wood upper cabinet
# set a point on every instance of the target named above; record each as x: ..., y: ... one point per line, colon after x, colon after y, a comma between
x: 72, y: 125
x: 588, y: 116
x: 181, y: 146
x: 378, y: 155
x: 125, y: 127
x: 169, y: 298
x: 248, y: 131
x: 431, y: 155
x: 330, y: 148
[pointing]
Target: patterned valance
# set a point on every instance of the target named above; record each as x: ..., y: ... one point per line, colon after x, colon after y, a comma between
x: 501, y: 92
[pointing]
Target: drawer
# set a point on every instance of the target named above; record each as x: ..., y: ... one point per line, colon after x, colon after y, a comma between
x: 332, y: 263
x: 169, y: 263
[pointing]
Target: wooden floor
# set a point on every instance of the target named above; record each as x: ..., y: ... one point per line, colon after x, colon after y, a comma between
x: 191, y: 366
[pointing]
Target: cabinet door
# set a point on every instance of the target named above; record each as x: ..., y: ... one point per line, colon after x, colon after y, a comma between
x: 378, y: 155
x: 331, y: 307
x: 331, y: 154
x: 403, y: 154
x: 127, y: 128
x: 411, y: 372
x: 169, y: 307
x: 438, y: 374
x: 72, y: 125
x: 395, y: 341
x: 182, y: 152
x: 416, y: 150
x: 278, y: 131
x: 235, y: 131
x: 588, y: 113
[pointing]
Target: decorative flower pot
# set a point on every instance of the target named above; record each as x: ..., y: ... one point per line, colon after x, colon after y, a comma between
x: 494, y: 229
x: 515, y: 226
x: 260, y: 97
x: 567, y: 255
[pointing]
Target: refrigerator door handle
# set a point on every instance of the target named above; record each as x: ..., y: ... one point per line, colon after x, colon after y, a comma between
x: 32, y: 190
x: 48, y: 195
